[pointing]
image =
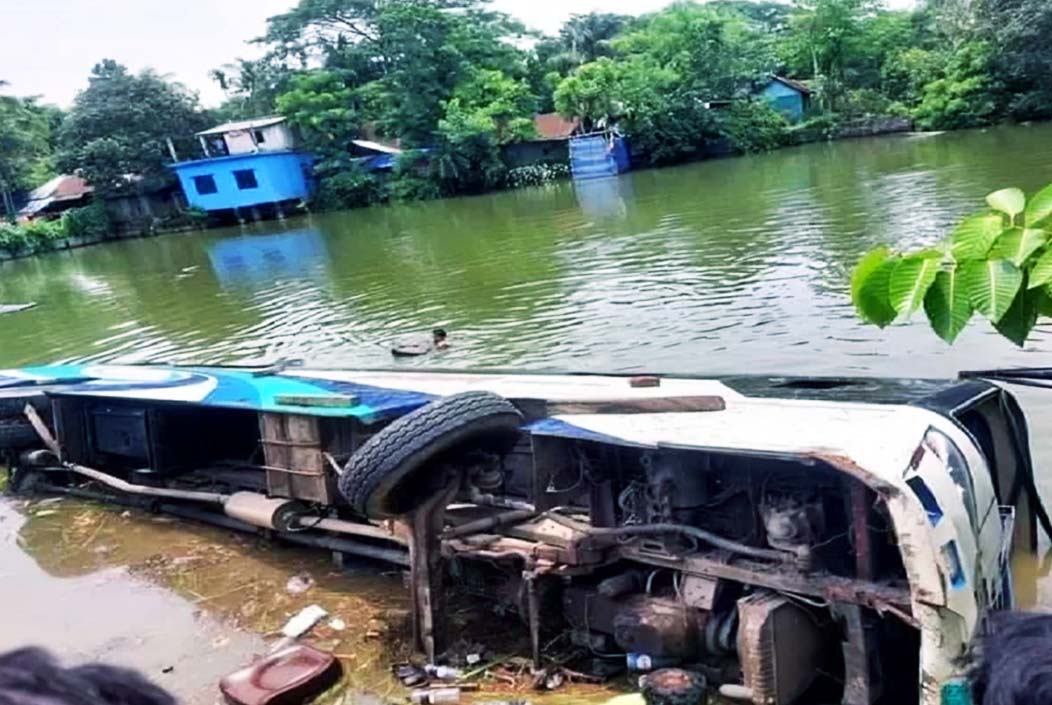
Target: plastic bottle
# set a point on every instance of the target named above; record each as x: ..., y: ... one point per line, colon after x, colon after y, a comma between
x: 436, y: 696
x: 445, y: 673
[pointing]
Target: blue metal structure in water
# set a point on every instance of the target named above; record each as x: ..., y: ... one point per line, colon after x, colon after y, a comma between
x: 598, y: 155
x: 245, y: 180
x: 247, y: 164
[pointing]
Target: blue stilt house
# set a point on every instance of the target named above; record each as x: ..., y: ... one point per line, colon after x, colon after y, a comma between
x: 248, y: 165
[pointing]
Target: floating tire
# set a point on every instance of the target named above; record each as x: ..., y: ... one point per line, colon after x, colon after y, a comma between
x: 674, y: 686
x: 17, y: 434
x: 388, y: 476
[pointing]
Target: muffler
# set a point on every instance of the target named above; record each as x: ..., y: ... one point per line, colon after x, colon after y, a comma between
x: 275, y: 513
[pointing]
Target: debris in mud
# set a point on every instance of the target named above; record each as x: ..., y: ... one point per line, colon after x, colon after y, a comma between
x: 299, y: 584
x: 444, y: 673
x: 549, y: 679
x: 409, y: 675
x: 438, y: 695
x: 291, y: 674
x: 304, y: 621
x: 337, y: 624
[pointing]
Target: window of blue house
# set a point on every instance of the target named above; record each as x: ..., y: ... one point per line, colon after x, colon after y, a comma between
x: 246, y: 179
x: 205, y: 184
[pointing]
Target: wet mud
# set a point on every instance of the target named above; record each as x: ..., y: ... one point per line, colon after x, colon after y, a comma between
x: 186, y: 604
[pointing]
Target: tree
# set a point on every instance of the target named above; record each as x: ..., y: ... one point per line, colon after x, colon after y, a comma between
x: 997, y: 263
x: 966, y: 95
x: 581, y: 39
x: 252, y: 87
x: 665, y: 72
x: 118, y: 128
x: 25, y: 147
x: 905, y: 74
x: 1020, y: 29
x: 825, y: 34
x: 404, y: 57
x: 322, y: 106
x: 505, y: 104
x: 487, y: 110
x: 717, y: 53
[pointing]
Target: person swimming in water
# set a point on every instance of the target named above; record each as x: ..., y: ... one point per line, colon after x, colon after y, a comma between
x: 410, y: 348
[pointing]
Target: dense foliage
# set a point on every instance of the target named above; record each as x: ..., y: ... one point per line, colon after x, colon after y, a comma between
x: 454, y: 83
x: 116, y: 133
x: 89, y: 223
x: 997, y: 263
x: 26, y: 147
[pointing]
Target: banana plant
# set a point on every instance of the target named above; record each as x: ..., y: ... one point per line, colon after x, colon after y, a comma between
x: 997, y: 263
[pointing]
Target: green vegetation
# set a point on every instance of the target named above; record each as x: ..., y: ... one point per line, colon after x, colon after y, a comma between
x: 115, y: 134
x: 89, y: 223
x: 26, y: 147
x: 997, y: 263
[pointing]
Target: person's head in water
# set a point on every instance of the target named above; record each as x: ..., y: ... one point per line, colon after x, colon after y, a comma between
x: 438, y: 337
x: 1014, y: 664
x: 34, y: 677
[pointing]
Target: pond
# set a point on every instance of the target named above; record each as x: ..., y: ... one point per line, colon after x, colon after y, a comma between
x: 730, y: 266
x: 736, y: 265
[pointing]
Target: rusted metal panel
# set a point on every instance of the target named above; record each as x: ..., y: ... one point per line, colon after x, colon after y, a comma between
x: 699, y: 592
x: 426, y: 571
x: 882, y: 597
x: 863, y: 677
x: 654, y: 405
x: 780, y: 647
x: 295, y: 458
x: 865, y: 561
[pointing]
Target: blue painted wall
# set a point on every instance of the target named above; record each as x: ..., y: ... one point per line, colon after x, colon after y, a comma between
x: 786, y: 100
x: 280, y: 176
x: 594, y: 156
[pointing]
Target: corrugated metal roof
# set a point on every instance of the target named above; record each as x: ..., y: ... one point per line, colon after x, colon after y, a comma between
x: 239, y: 125
x: 376, y: 146
x: 795, y: 85
x: 61, y: 188
x: 553, y: 126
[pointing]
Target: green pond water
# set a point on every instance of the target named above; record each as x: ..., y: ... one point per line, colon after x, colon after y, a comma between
x: 736, y: 265
x: 731, y: 266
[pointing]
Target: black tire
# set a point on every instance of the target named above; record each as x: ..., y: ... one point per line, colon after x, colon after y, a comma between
x: 674, y: 686
x: 378, y: 477
x: 16, y: 434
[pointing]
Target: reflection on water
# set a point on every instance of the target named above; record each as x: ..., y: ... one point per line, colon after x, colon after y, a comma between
x: 260, y: 259
x: 185, y: 604
x: 722, y: 266
x: 603, y: 198
x: 180, y: 602
x: 98, y: 610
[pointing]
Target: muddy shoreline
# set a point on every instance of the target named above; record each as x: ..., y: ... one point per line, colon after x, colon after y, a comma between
x: 185, y: 604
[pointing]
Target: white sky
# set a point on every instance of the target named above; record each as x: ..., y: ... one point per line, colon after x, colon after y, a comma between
x: 47, y: 47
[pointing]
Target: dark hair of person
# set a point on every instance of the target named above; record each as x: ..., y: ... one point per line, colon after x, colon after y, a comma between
x: 439, y: 333
x: 32, y: 676
x: 1013, y: 665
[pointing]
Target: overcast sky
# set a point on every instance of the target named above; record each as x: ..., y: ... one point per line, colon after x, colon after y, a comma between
x: 47, y: 47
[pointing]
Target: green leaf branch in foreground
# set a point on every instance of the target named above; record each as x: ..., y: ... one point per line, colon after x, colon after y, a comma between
x: 996, y: 263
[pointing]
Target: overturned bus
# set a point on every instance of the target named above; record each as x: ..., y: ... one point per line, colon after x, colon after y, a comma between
x: 796, y: 540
